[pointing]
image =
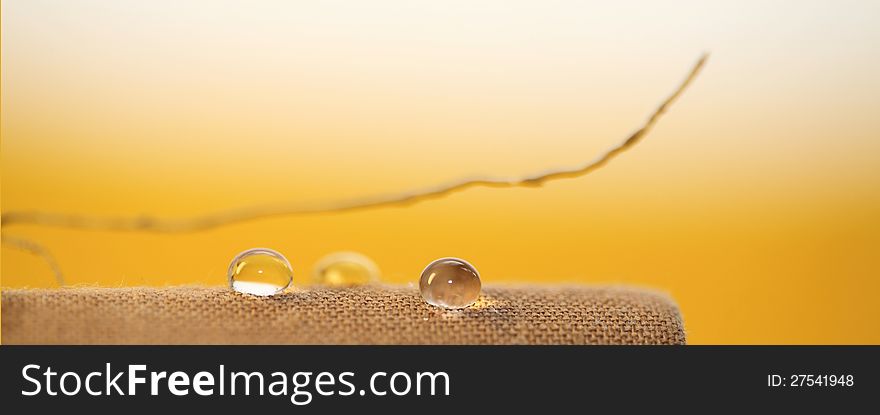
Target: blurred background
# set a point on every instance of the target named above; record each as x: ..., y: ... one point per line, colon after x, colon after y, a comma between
x: 754, y: 203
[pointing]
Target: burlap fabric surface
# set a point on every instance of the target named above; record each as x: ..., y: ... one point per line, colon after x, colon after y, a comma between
x: 365, y: 315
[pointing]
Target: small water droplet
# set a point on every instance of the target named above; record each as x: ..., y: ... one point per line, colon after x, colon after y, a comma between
x: 450, y: 283
x: 260, y: 271
x: 345, y: 269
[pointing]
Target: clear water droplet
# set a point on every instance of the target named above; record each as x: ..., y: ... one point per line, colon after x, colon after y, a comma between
x: 450, y: 283
x: 345, y: 269
x: 260, y: 271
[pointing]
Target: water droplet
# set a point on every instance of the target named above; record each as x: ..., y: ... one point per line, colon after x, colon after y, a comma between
x: 260, y: 271
x: 450, y: 283
x: 345, y: 269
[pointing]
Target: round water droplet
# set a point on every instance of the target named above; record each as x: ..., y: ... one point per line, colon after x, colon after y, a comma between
x: 345, y: 269
x: 450, y: 283
x: 260, y: 271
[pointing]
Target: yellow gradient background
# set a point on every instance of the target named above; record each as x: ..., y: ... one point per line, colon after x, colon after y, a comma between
x: 755, y: 202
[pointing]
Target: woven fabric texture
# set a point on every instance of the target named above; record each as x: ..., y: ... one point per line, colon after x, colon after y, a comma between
x: 364, y: 315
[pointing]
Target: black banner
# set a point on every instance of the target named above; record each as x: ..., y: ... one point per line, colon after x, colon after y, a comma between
x: 450, y: 379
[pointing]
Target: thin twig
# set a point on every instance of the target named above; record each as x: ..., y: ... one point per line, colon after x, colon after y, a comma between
x: 153, y: 224
x: 35, y: 249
